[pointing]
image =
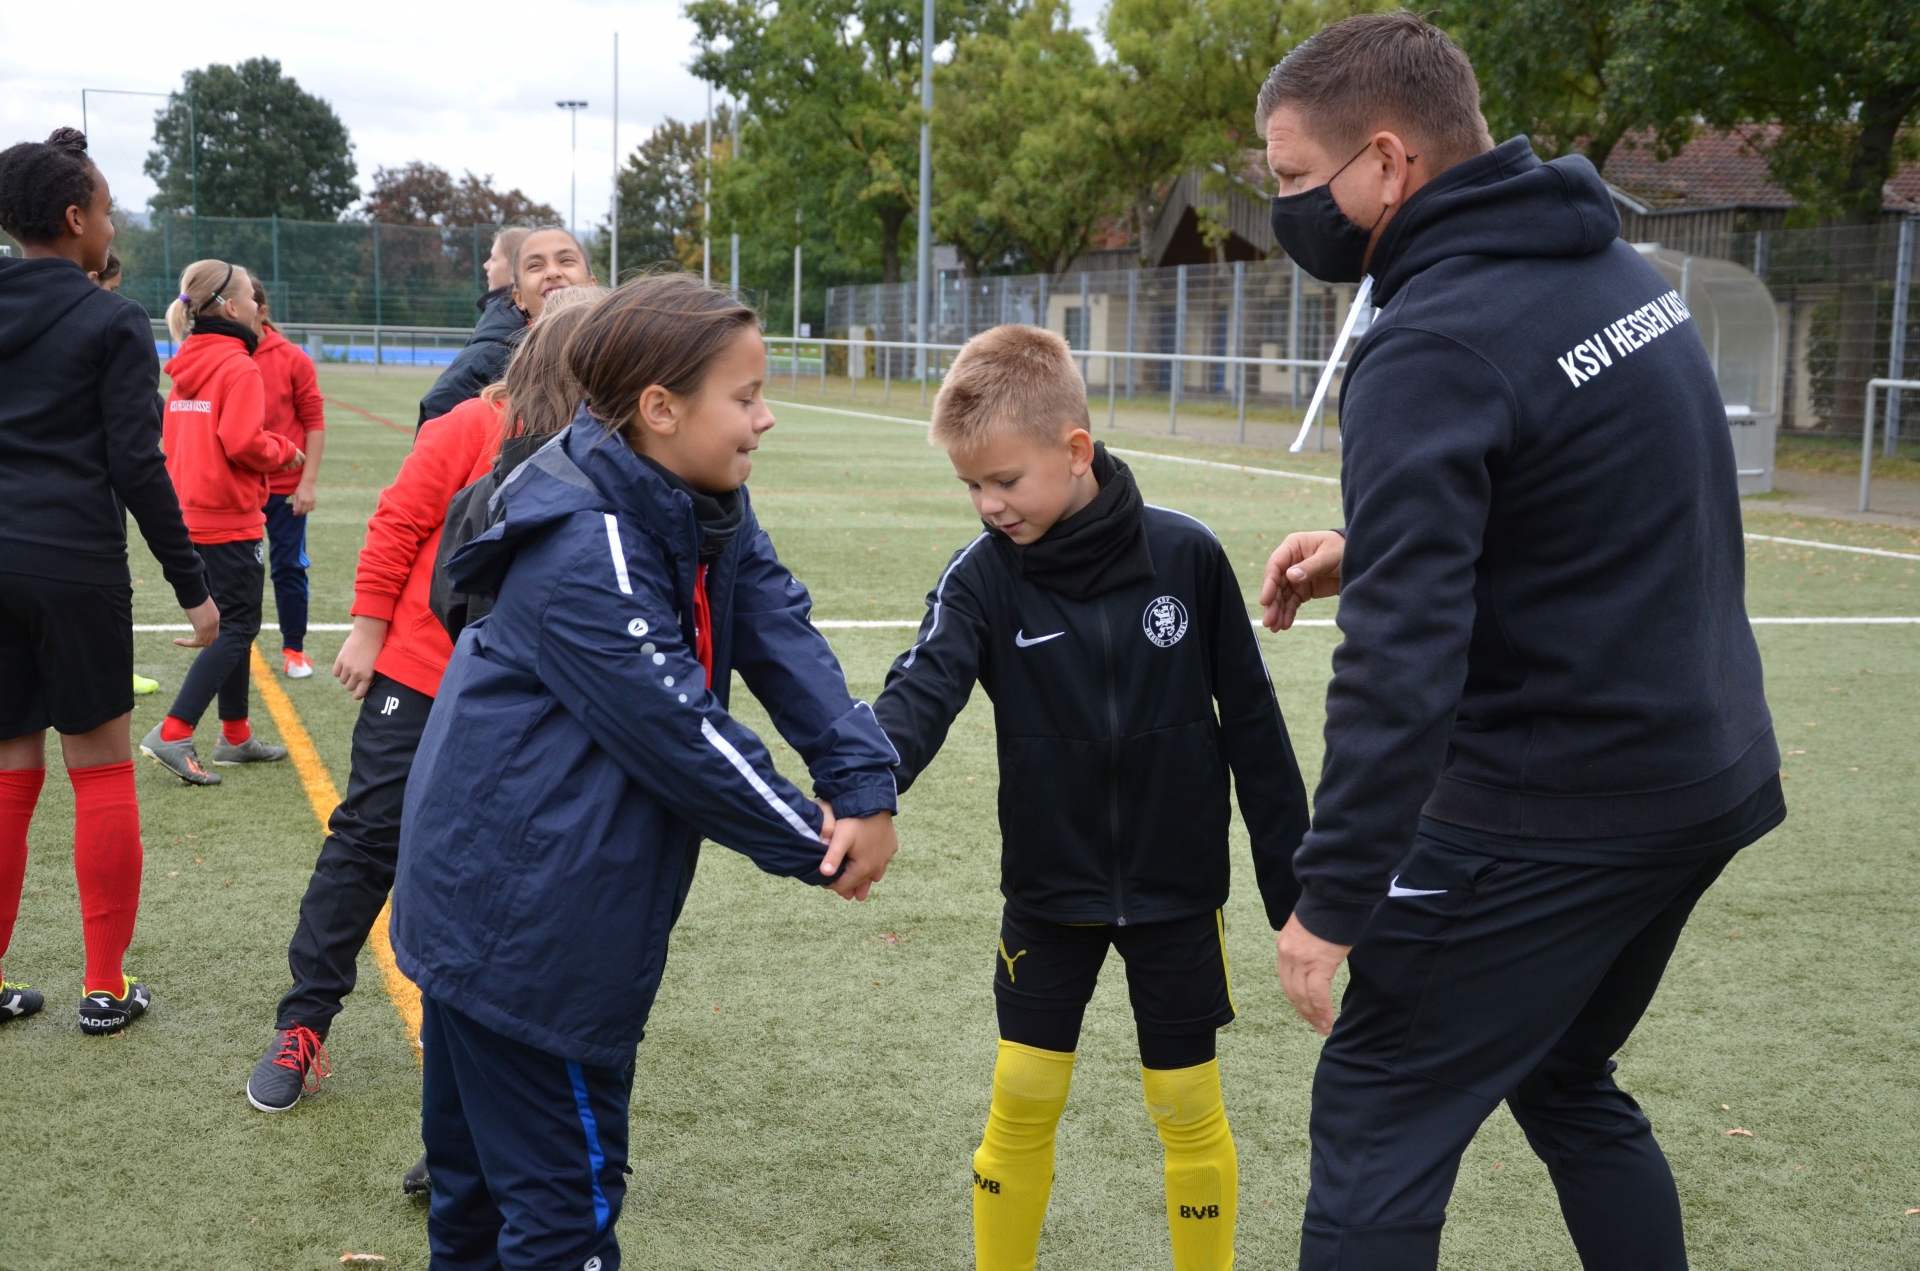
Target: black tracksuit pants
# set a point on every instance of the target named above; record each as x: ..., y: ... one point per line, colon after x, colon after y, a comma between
x: 355, y: 870
x: 237, y: 580
x: 1480, y: 979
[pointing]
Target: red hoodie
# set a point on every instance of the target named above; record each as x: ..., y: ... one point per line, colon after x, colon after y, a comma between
x: 395, y: 573
x: 294, y: 405
x: 218, y: 449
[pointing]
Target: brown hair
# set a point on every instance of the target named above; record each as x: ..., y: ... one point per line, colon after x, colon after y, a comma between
x: 1380, y: 69
x: 200, y: 285
x: 540, y: 389
x: 259, y: 298
x: 1013, y: 377
x: 508, y: 242
x: 666, y: 329
x: 110, y: 270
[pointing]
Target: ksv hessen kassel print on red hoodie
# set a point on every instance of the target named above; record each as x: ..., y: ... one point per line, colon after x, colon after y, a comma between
x: 218, y: 449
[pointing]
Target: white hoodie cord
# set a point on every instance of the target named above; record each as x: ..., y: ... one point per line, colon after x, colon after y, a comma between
x: 1361, y: 300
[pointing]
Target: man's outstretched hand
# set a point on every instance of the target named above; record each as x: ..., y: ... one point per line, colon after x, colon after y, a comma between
x: 858, y: 852
x: 1307, y: 964
x: 1304, y: 567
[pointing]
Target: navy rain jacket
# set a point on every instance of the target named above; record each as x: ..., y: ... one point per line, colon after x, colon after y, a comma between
x: 484, y: 360
x: 573, y: 760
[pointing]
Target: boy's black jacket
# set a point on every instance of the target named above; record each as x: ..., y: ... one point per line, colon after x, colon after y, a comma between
x: 1113, y: 764
x: 1542, y: 597
x: 80, y: 434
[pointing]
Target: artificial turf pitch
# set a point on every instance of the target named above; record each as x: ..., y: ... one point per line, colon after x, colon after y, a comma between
x: 816, y: 1073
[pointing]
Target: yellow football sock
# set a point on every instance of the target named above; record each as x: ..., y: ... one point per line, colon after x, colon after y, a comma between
x: 1013, y: 1170
x: 1203, y: 1173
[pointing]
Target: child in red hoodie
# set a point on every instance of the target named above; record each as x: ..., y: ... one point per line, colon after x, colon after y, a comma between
x: 392, y: 662
x: 219, y: 454
x: 296, y: 411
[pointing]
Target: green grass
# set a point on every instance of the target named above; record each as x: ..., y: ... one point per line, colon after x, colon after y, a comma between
x: 1815, y: 452
x: 816, y: 1073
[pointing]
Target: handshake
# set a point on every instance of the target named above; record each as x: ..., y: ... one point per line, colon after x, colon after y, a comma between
x: 862, y: 845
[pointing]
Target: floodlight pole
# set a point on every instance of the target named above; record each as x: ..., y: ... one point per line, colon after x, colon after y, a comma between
x: 706, y: 200
x: 193, y: 143
x: 734, y: 276
x: 925, y: 272
x: 613, y: 225
x: 573, y: 109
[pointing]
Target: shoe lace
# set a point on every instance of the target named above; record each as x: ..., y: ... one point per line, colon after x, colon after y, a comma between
x: 13, y: 984
x: 302, y: 1050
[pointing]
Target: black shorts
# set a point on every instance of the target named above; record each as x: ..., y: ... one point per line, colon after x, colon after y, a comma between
x: 1177, y: 979
x: 66, y: 654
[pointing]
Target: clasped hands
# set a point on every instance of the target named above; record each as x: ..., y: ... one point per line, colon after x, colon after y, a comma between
x: 863, y: 844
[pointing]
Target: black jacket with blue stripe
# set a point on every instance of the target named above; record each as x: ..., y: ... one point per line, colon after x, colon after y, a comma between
x: 1119, y: 719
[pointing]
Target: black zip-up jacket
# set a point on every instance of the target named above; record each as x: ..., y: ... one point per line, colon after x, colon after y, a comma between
x: 1126, y: 684
x: 80, y: 434
x: 484, y: 360
x: 1543, y: 592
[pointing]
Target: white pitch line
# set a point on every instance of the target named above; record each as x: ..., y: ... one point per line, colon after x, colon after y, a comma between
x: 1836, y: 547
x: 1115, y: 450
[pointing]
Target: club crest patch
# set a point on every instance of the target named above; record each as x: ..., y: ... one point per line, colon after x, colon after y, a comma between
x: 1164, y: 621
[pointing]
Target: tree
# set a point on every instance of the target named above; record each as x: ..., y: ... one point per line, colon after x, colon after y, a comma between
x: 834, y: 86
x: 421, y: 193
x: 1020, y: 162
x: 1187, y: 73
x: 1571, y: 74
x: 661, y: 191
x: 264, y: 147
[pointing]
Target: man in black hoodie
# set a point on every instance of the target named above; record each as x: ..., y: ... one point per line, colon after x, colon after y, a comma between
x: 1546, y: 732
x: 79, y: 449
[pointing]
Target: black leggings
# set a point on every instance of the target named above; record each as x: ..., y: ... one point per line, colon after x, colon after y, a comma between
x: 237, y: 576
x: 1045, y: 973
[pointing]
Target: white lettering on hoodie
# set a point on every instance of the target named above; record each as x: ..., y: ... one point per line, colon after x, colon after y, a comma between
x: 1641, y: 327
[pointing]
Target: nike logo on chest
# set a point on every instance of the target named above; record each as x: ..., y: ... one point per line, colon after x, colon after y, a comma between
x: 1020, y: 638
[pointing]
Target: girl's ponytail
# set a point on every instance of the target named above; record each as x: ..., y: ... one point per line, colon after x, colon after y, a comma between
x: 200, y: 285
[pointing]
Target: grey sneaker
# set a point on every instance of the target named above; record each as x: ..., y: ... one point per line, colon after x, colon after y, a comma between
x: 178, y: 757
x: 252, y: 750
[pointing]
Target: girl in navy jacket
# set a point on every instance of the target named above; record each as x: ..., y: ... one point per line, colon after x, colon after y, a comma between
x: 536, y: 891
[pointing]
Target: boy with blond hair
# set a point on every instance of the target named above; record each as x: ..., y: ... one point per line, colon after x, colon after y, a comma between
x: 1127, y: 686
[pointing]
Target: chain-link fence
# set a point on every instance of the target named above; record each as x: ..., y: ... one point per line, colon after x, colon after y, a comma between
x: 1258, y: 309
x: 342, y: 273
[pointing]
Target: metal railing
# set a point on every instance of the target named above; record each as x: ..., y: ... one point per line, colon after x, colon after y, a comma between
x: 356, y: 342
x: 1866, y: 430
x: 927, y: 365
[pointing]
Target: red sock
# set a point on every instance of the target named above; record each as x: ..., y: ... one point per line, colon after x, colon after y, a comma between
x: 235, y: 731
x: 172, y: 729
x: 19, y: 791
x: 106, y: 864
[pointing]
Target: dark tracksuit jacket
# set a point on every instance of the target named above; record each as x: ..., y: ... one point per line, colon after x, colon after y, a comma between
x: 80, y: 434
x: 484, y: 360
x: 1127, y: 689
x: 1546, y: 640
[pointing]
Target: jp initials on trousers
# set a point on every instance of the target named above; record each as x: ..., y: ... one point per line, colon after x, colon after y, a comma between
x: 1494, y: 979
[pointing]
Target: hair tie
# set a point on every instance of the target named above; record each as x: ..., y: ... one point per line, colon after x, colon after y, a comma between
x: 185, y: 299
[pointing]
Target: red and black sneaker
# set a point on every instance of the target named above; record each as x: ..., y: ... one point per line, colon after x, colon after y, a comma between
x: 294, y: 1065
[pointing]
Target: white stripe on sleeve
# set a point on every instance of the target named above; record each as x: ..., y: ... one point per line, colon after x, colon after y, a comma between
x: 745, y: 769
x: 619, y: 555
x: 939, y: 599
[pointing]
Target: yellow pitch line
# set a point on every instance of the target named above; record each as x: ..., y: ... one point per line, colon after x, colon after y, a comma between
x: 325, y: 798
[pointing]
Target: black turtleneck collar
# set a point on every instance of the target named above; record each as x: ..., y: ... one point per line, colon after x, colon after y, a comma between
x: 1098, y: 548
x: 491, y: 296
x: 719, y: 515
x: 214, y: 324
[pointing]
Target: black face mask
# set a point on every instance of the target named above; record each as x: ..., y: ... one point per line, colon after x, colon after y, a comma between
x: 1318, y: 236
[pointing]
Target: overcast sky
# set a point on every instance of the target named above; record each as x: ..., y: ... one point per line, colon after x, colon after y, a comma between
x: 464, y: 85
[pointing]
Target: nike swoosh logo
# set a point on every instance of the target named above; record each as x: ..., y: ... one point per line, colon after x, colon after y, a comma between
x: 1395, y: 890
x: 1020, y: 638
